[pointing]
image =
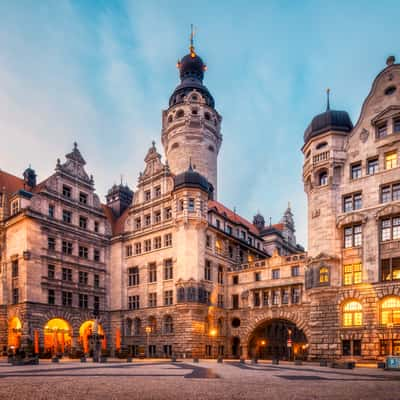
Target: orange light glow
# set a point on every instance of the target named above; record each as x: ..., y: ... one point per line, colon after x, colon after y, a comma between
x: 118, y: 339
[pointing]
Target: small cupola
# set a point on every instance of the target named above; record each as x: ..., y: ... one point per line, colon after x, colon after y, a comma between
x: 29, y: 178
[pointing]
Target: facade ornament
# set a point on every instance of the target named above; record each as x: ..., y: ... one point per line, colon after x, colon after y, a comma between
x: 364, y: 134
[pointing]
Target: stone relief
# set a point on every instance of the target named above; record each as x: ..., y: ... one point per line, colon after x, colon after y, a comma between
x: 364, y: 134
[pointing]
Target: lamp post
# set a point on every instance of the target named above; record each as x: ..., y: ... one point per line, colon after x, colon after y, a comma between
x: 289, y: 342
x: 148, y: 331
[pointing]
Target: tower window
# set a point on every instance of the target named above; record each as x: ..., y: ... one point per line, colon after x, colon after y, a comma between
x: 180, y: 114
x: 211, y: 149
x: 175, y: 146
x: 390, y: 90
x: 195, y: 98
x: 323, y: 178
x: 207, y: 116
x: 321, y: 145
x: 170, y: 119
x: 194, y: 111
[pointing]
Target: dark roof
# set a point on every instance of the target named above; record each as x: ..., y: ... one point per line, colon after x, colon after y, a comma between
x: 191, y: 178
x: 329, y: 120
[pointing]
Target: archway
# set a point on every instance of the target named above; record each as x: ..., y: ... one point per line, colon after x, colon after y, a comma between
x: 57, y: 336
x: 14, y: 333
x: 278, y: 338
x: 85, y: 334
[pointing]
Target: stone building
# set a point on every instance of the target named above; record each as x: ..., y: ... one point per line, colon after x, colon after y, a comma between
x: 167, y: 269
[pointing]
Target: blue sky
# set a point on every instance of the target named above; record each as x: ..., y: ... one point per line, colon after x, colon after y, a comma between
x: 100, y: 72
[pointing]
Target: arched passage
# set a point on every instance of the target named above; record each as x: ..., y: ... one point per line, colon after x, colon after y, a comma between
x: 57, y: 336
x: 14, y: 333
x: 278, y: 338
x: 85, y: 334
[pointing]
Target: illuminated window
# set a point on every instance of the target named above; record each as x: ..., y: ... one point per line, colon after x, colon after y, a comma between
x: 352, y: 314
x: 218, y: 246
x: 352, y: 274
x: 391, y: 160
x: 390, y: 311
x: 390, y: 269
x: 323, y: 275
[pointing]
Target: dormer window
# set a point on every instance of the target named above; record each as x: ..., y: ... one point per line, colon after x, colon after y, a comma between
x: 323, y: 178
x: 14, y: 207
x: 66, y: 191
x: 381, y: 131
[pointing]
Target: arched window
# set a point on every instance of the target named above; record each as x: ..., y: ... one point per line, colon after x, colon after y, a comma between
x: 175, y: 146
x: 323, y: 178
x: 195, y: 98
x: 352, y: 313
x: 180, y: 114
x: 168, y: 324
x: 321, y: 145
x: 194, y: 111
x: 207, y: 116
x: 390, y: 311
x: 152, y: 323
x: 170, y: 118
x: 137, y: 325
x: 324, y: 275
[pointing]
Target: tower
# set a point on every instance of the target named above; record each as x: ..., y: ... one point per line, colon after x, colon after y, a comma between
x: 191, y: 125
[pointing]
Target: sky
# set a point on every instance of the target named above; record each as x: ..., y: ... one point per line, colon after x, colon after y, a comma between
x: 100, y: 73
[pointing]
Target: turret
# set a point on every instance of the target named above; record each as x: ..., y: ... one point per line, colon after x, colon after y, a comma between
x: 29, y: 178
x: 191, y: 125
x: 119, y: 198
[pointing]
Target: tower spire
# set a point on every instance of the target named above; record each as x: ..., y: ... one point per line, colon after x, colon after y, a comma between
x: 191, y: 47
x: 328, y: 106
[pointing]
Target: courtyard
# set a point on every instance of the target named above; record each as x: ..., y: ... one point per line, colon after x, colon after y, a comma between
x: 161, y: 379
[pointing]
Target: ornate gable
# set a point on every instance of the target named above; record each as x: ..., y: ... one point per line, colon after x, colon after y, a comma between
x: 153, y: 163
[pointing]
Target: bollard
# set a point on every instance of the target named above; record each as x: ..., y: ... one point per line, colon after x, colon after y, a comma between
x: 129, y: 359
x: 195, y: 360
x: 220, y: 360
x: 298, y: 362
x: 275, y: 361
x: 242, y: 361
x: 254, y: 361
x: 173, y: 359
x: 83, y: 359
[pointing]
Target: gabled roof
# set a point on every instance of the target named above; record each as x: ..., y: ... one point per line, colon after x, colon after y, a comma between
x: 117, y: 224
x: 232, y: 216
x: 10, y: 183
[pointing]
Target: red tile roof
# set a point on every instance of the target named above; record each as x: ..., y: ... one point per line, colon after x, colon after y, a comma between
x: 117, y: 224
x: 10, y: 183
x: 232, y: 216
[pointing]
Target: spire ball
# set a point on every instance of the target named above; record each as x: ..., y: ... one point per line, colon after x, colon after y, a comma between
x: 390, y: 60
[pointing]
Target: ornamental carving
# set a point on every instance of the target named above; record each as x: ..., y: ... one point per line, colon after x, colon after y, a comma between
x: 316, y: 213
x: 351, y: 219
x: 364, y: 135
x: 388, y: 210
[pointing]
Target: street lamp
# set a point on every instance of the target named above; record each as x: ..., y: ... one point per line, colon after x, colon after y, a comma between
x: 289, y: 342
x: 213, y: 333
x: 148, y: 331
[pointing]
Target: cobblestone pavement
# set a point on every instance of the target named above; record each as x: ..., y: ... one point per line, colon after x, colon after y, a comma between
x: 185, y: 380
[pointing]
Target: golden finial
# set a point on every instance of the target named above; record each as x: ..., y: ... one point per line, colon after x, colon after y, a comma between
x: 328, y: 106
x: 191, y: 48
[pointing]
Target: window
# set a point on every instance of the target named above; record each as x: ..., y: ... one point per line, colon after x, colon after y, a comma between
x: 138, y: 248
x: 96, y: 281
x: 356, y: 171
x: 235, y: 301
x: 295, y: 270
x: 381, y: 131
x: 391, y: 160
x: 137, y: 223
x: 390, y: 192
x: 157, y: 217
x: 348, y: 345
x: 220, y: 300
x: 285, y: 296
x: 390, y: 229
x: 207, y: 297
x: 352, y: 274
x: 152, y: 299
x: 352, y: 202
x: 66, y: 298
x: 96, y: 303
x: 83, y: 278
x: 14, y: 268
x: 147, y: 245
x: 373, y: 166
x: 51, y: 210
x: 51, y: 243
x: 157, y: 191
x: 168, y: 269
x: 83, y: 300
x: 147, y: 195
x: 180, y: 205
x: 323, y: 275
x: 96, y: 255
x: 352, y: 313
x: 230, y: 251
x: 256, y: 299
x: 133, y: 303
x: 265, y: 298
x: 295, y: 295
x: 133, y: 276
x: 83, y: 252
x: 51, y: 271
x: 51, y: 297
x: 168, y: 213
x: 15, y: 296
x: 191, y: 204
x: 390, y: 311
x: 168, y: 240
x: 208, y: 241
x: 157, y: 242
x: 396, y: 125
x: 168, y: 297
x: 152, y: 272
x: 67, y: 247
x: 96, y: 226
x: 257, y: 276
x: 207, y: 270
x: 14, y: 207
x: 352, y: 236
x: 67, y: 216
x: 147, y: 220
x: 220, y: 274
x: 323, y: 178
x: 235, y: 279
x: 83, y: 222
x: 168, y: 326
x: 83, y: 198
x: 276, y: 273
x: 66, y: 191
x: 390, y: 269
x: 67, y: 274
x: 275, y: 297
x: 128, y: 250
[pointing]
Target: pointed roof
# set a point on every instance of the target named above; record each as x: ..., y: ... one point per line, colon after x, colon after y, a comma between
x: 152, y: 154
x: 76, y: 155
